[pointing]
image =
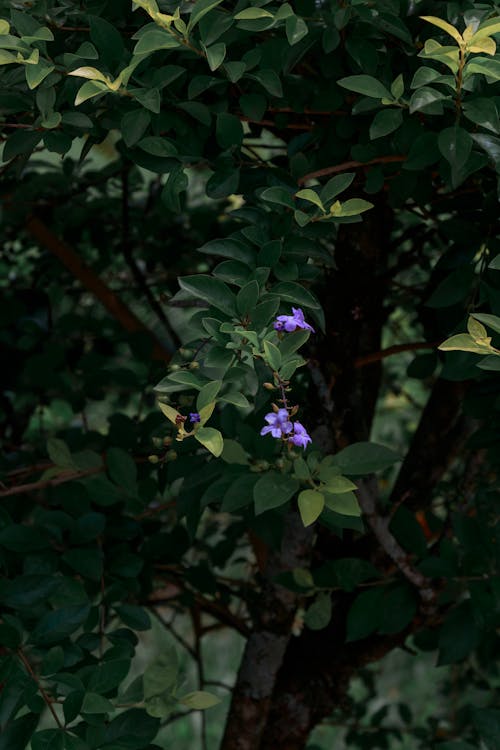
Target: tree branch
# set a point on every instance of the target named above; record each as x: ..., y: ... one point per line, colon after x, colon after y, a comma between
x: 113, y: 304
x: 350, y: 165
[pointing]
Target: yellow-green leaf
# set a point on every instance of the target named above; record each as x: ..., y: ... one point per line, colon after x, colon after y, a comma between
x: 170, y: 413
x: 346, y: 504
x: 211, y: 439
x: 476, y: 329
x: 311, y: 503
x: 311, y: 196
x: 91, y: 73
x: 445, y: 26
x: 199, y: 699
x: 487, y: 45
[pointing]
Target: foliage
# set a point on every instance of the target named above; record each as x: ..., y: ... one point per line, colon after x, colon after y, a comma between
x: 253, y: 204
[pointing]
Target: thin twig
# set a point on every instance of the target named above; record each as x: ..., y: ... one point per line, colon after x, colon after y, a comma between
x: 350, y: 165
x: 48, y: 701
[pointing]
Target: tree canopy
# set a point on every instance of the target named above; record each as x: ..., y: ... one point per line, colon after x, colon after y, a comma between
x: 251, y: 355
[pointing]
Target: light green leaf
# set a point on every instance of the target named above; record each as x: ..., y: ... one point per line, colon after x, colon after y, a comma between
x: 199, y: 699
x: 335, y: 483
x: 91, y: 73
x: 250, y: 14
x: 463, y: 342
x: 319, y: 612
x: 215, y: 55
x: 170, y: 413
x: 272, y: 355
x: 311, y: 504
x: 492, y: 321
x: 154, y: 40
x: 476, y: 329
x: 35, y: 74
x: 89, y: 90
x: 310, y: 196
x: 346, y: 504
x: 211, y: 439
x: 351, y: 207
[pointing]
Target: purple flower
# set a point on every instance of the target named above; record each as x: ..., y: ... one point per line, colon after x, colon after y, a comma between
x: 300, y: 437
x: 194, y: 417
x: 290, y: 323
x: 278, y: 424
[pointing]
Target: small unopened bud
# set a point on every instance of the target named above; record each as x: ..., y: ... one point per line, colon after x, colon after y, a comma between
x: 194, y: 365
x: 153, y: 459
x: 294, y: 411
x: 157, y: 442
x: 269, y: 386
x: 167, y: 441
x: 275, y: 408
x: 171, y: 456
x: 180, y: 419
x: 174, y: 368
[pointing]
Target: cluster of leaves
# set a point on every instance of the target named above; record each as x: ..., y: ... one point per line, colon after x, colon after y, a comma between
x: 244, y: 136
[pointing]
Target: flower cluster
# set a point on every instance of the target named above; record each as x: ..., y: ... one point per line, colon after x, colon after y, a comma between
x: 280, y: 427
x: 290, y: 323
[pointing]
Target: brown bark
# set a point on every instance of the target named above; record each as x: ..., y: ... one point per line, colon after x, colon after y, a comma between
x: 263, y: 655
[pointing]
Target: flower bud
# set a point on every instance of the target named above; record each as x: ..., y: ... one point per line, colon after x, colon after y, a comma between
x: 153, y: 459
x: 269, y: 386
x: 157, y: 442
x: 194, y: 365
x: 171, y: 456
x: 174, y: 368
x: 167, y: 441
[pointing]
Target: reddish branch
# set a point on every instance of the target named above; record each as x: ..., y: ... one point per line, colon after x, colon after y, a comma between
x: 66, y: 476
x: 113, y: 304
x: 351, y: 165
x: 368, y: 359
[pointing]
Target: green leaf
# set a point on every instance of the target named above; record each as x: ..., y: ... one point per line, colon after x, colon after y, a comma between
x: 301, y: 470
x: 366, y: 85
x: 199, y: 700
x: 385, y: 122
x: 279, y: 195
x: 89, y: 90
x: 459, y: 635
x: 492, y: 321
x: 154, y: 40
x: 365, y: 614
x: 491, y: 363
x: 335, y: 186
x: 296, y: 29
x: 351, y: 207
x: 234, y: 453
x: 426, y: 99
x: 200, y: 9
x: 48, y: 739
x: 455, y: 144
x: 93, y: 703
x: 311, y: 504
x: 319, y: 613
x: 35, y: 74
x: 211, y: 439
x: 133, y: 125
x: 211, y: 290
x: 20, y: 142
x: 215, y: 55
x: 487, y: 66
x: 228, y: 130
x: 465, y: 343
x: 270, y: 81
x: 133, y: 616
x: 121, y: 468
x: 273, y: 490
x: 59, y: 624
x: 250, y: 14
x: 247, y: 297
x: 483, y: 112
x: 346, y: 503
x: 293, y: 341
x: 272, y: 355
x: 235, y: 398
x: 365, y: 458
x: 289, y: 291
x: 335, y: 482
x: 161, y: 675
x: 311, y: 196
x: 157, y: 146
x: 208, y: 393
x: 59, y: 453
